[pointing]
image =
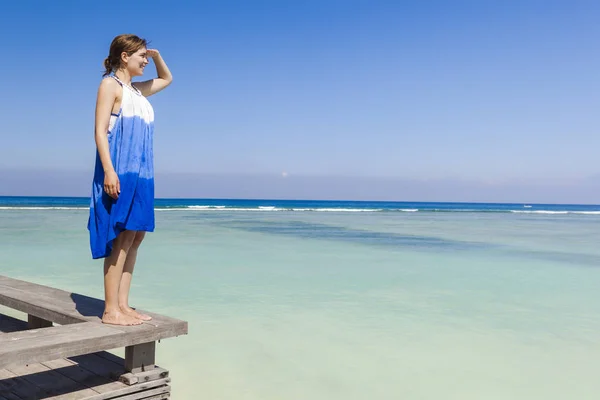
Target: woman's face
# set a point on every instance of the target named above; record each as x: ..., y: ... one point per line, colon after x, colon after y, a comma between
x: 137, y: 62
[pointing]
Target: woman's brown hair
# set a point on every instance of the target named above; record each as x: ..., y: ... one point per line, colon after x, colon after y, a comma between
x: 123, y: 43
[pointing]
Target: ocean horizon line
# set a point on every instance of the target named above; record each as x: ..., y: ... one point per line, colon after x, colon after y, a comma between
x: 319, y: 200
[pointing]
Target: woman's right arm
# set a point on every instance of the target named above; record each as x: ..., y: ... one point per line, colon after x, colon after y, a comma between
x: 107, y: 94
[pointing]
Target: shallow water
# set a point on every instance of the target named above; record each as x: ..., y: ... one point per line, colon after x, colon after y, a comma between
x: 347, y: 305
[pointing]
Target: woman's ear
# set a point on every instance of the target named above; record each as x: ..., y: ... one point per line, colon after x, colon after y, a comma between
x: 124, y: 57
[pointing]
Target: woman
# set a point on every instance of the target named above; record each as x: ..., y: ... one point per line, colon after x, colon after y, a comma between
x: 122, y: 201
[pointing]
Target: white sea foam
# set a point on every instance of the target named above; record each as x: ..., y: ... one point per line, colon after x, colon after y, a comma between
x: 310, y: 209
x: 208, y: 208
x: 347, y: 209
x: 539, y: 212
x: 271, y: 208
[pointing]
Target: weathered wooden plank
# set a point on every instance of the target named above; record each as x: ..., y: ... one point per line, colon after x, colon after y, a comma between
x: 148, y: 333
x: 56, y: 342
x: 103, y: 368
x: 7, y: 384
x: 152, y: 332
x: 20, y: 387
x: 53, y: 384
x: 140, y: 332
x: 22, y: 339
x: 8, y: 396
x: 101, y: 385
x: 76, y: 339
x: 160, y: 386
x: 164, y: 396
x: 152, y: 375
x: 65, y: 380
x: 23, y: 390
x: 37, y: 305
x: 81, y: 332
x: 106, y: 369
x: 57, y: 295
x: 41, y: 290
x: 128, y: 394
x: 68, y: 300
x: 120, y: 361
x: 74, y: 371
x: 34, y: 322
x: 140, y: 357
x: 27, y: 391
x: 89, y: 376
x: 27, y: 299
x: 5, y: 374
x: 19, y: 338
x: 71, y: 305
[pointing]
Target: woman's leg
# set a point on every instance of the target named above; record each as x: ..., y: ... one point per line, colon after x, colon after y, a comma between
x: 113, y: 272
x: 126, y: 279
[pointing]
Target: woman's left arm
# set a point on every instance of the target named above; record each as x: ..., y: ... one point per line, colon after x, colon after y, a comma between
x: 163, y: 79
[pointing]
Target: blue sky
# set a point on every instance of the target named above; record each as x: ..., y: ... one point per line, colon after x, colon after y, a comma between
x: 396, y: 100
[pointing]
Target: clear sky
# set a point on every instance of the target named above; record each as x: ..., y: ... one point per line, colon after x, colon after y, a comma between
x: 477, y: 100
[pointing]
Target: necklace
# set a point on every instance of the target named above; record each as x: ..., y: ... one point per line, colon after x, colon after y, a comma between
x: 136, y: 90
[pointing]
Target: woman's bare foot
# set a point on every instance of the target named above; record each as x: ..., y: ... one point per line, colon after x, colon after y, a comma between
x: 119, y: 318
x: 132, y: 313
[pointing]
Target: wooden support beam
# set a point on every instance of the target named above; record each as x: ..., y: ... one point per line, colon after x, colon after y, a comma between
x: 34, y: 322
x: 140, y: 357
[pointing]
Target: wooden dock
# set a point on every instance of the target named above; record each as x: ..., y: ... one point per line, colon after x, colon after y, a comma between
x: 60, y: 351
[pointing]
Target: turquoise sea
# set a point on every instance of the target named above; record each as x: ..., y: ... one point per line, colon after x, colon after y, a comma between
x: 343, y: 300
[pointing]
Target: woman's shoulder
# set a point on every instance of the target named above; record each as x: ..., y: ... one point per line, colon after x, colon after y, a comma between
x: 110, y: 85
x: 109, y: 81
